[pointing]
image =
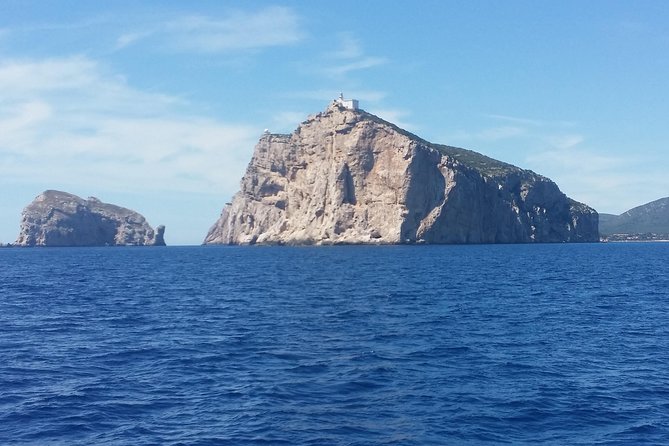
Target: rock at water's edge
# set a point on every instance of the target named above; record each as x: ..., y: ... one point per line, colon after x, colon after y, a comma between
x: 58, y: 218
x: 346, y: 176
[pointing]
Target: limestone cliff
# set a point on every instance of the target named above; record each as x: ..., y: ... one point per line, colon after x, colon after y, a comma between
x: 57, y: 218
x: 346, y: 176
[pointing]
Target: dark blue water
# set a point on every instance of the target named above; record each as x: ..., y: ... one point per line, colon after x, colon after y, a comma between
x: 422, y: 345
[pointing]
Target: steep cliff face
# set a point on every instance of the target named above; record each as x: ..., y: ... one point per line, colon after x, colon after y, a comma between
x: 57, y: 218
x: 346, y: 176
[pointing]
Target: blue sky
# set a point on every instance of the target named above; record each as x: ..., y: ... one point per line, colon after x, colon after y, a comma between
x: 157, y: 105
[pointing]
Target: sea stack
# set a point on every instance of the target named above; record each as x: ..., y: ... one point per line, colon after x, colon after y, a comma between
x: 58, y: 218
x: 345, y: 176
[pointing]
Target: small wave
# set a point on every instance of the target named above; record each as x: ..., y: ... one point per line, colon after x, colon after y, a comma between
x: 446, y: 349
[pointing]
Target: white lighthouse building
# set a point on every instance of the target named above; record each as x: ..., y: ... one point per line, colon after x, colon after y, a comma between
x: 351, y: 104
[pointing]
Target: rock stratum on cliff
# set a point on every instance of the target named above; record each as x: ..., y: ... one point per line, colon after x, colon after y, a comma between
x: 346, y: 176
x: 57, y: 218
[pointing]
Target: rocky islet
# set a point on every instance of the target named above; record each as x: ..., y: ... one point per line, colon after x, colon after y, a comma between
x: 346, y: 176
x: 57, y: 218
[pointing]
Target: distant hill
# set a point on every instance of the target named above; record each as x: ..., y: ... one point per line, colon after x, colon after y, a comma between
x: 651, y: 218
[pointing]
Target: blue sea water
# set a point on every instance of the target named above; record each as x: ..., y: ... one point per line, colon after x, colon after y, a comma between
x: 403, y: 345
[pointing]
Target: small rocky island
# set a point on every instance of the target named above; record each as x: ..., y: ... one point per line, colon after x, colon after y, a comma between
x: 58, y: 218
x: 347, y: 176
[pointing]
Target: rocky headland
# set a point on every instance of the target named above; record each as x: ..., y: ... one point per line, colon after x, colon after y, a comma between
x: 58, y: 218
x: 346, y: 176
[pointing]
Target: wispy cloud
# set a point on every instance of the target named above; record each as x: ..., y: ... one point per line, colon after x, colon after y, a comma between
x: 515, y: 120
x: 502, y: 132
x: 103, y: 132
x: 348, y: 57
x: 558, y: 150
x: 564, y: 141
x: 587, y: 175
x: 360, y: 64
x: 24, y: 115
x: 540, y: 132
x: 529, y: 121
x: 287, y: 121
x: 324, y: 95
x: 349, y: 48
x: 395, y: 116
x: 236, y: 31
x: 491, y: 134
x: 581, y: 160
x: 130, y: 38
x: 22, y: 77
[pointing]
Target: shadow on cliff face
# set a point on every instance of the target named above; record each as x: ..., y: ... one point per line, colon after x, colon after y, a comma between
x: 345, y: 176
x: 345, y: 185
x: 425, y: 191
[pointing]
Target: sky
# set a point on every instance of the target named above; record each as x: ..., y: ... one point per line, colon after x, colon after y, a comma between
x: 156, y: 105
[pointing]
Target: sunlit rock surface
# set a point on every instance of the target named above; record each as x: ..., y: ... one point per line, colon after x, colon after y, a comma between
x: 57, y: 218
x: 346, y: 176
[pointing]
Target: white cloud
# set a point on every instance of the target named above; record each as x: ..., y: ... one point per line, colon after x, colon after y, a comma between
x: 554, y: 149
x: 349, y: 48
x: 583, y: 161
x: 287, y: 121
x: 18, y: 78
x: 498, y: 133
x: 347, y: 58
x: 599, y: 180
x: 394, y: 116
x: 127, y: 39
x: 514, y: 119
x: 355, y: 65
x: 529, y: 121
x: 238, y: 30
x: 102, y: 133
x: 23, y: 115
x: 530, y: 130
x: 565, y: 141
x: 491, y: 134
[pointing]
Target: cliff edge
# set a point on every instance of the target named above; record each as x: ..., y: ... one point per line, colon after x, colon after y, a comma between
x: 346, y: 176
x: 57, y: 218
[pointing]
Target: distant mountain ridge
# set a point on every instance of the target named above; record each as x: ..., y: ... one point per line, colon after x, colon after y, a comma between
x: 649, y: 218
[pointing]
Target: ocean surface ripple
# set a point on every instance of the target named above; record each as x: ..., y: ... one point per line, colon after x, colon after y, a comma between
x: 398, y: 345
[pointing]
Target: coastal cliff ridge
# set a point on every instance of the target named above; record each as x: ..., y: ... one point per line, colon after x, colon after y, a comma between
x: 345, y: 176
